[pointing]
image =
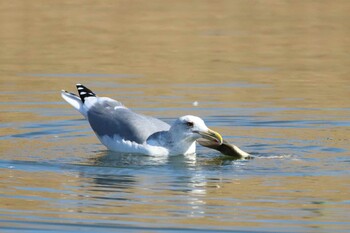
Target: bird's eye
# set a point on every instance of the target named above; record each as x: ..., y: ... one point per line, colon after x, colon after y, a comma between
x: 189, y: 124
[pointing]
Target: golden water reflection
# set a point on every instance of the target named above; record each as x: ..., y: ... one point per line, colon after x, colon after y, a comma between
x: 281, y: 63
x: 283, y: 200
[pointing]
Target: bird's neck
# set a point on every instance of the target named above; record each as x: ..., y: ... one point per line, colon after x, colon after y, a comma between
x: 181, y: 145
x: 183, y: 149
x: 174, y: 143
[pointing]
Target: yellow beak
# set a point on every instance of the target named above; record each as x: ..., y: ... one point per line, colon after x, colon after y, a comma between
x: 211, y: 135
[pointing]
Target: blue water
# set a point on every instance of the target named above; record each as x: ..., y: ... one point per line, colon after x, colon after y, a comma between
x: 271, y: 76
x: 56, y: 176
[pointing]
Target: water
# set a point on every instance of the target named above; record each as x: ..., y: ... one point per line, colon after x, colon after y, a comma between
x: 272, y: 77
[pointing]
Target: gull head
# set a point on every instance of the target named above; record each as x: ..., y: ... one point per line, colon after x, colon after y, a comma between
x: 190, y: 128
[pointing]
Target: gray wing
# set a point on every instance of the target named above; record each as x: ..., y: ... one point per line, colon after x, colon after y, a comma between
x: 111, y: 118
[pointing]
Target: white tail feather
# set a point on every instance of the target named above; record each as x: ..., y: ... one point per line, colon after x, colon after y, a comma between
x: 75, y: 101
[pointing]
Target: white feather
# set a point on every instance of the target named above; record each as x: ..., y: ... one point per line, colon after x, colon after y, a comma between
x: 75, y: 101
x: 120, y: 145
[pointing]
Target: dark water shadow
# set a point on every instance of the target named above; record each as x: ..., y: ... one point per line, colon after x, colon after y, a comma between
x: 106, y: 158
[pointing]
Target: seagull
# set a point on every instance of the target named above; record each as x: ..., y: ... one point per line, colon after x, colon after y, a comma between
x: 122, y: 130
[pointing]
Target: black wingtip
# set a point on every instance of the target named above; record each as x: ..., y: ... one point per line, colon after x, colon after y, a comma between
x: 84, y: 92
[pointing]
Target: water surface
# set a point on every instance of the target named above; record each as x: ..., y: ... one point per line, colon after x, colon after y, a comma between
x: 271, y: 76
